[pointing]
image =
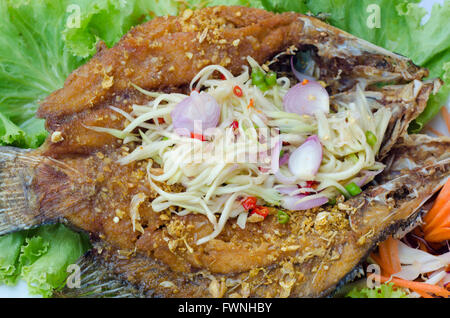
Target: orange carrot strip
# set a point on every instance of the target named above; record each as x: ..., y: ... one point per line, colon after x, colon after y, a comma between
x: 423, y: 294
x: 380, y: 263
x: 438, y: 234
x: 423, y: 247
x: 442, y: 218
x: 383, y: 251
x: 388, y: 256
x: 446, y: 116
x: 393, y: 254
x: 441, y: 200
x: 435, y: 131
x: 424, y: 287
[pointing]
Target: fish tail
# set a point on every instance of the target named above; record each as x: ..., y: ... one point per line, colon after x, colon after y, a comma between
x: 96, y: 280
x: 17, y: 198
x: 34, y: 190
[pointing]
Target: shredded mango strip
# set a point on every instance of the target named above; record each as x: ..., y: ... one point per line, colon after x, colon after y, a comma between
x: 437, y: 221
x: 418, y: 287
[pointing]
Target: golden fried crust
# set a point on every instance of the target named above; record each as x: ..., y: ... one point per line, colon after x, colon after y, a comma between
x: 169, y: 51
x: 161, y: 55
x: 166, y: 53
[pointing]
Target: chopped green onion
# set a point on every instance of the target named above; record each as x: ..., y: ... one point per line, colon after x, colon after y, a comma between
x: 263, y: 87
x: 282, y: 217
x: 281, y: 153
x: 371, y: 138
x: 332, y: 201
x: 353, y: 189
x: 271, y: 79
x: 257, y: 77
x: 165, y: 138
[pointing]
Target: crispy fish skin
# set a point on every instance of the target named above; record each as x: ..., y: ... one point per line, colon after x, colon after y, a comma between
x: 322, y: 246
x: 337, y: 237
x: 165, y: 53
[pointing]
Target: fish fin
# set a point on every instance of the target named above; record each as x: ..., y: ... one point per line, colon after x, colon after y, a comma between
x: 36, y: 190
x: 16, y: 194
x: 97, y: 280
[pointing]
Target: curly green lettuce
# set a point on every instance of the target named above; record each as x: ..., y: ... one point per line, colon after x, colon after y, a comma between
x: 383, y: 291
x: 46, y: 255
x: 10, y: 246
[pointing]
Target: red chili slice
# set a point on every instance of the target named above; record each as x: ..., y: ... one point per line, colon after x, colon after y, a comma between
x: 198, y: 136
x: 261, y: 210
x: 311, y: 184
x: 234, y: 124
x: 238, y: 91
x: 249, y: 203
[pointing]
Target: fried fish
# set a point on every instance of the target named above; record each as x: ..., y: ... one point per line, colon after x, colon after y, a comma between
x: 75, y: 177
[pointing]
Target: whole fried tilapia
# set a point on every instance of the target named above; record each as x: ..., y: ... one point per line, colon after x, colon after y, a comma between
x: 75, y: 177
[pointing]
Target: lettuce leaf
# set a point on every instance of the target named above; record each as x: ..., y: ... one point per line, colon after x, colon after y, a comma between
x: 435, y: 103
x: 30, y: 134
x: 33, y: 63
x: 100, y: 20
x: 10, y: 246
x: 383, y: 291
x: 47, y: 254
x: 40, y: 257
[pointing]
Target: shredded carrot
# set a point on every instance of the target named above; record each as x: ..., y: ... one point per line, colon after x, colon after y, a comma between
x: 380, y: 262
x: 434, y: 131
x: 251, y: 104
x: 423, y: 294
x: 416, y: 286
x: 388, y: 256
x: 439, y: 234
x: 446, y: 116
x: 436, y: 229
x: 441, y: 219
x: 436, y: 226
x: 440, y: 201
x: 423, y: 247
x: 393, y: 254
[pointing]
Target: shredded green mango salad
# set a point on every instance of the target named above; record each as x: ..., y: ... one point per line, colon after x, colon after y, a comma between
x: 43, y: 41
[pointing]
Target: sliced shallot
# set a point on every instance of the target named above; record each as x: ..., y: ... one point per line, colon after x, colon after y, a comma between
x: 195, y: 114
x: 293, y: 203
x: 305, y: 161
x: 307, y: 98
